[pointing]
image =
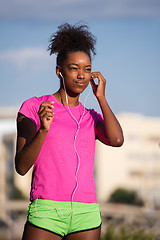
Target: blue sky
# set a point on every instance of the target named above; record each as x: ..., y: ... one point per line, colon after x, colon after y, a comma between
x: 128, y: 51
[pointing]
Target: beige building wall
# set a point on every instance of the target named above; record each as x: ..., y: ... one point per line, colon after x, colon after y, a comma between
x: 135, y: 165
x: 23, y: 183
x: 7, y: 153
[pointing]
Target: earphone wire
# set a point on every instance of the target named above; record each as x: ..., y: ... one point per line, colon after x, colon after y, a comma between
x: 78, y: 157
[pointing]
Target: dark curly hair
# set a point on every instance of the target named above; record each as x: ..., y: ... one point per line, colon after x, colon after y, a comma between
x: 69, y: 39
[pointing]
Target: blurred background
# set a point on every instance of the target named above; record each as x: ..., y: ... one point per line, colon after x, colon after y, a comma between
x: 128, y: 55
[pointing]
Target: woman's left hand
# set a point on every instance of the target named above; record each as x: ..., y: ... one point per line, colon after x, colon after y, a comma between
x: 98, y: 89
x: 109, y: 130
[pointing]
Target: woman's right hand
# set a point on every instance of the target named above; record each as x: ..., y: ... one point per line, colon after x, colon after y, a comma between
x: 46, y: 114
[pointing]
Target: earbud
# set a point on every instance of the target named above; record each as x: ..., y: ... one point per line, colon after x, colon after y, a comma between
x: 61, y: 75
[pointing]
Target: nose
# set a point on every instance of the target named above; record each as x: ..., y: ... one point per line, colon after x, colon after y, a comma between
x: 80, y: 74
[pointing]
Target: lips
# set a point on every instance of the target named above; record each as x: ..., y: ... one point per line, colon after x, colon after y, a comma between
x: 80, y: 83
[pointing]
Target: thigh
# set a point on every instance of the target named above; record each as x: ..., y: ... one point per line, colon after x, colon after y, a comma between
x: 34, y: 233
x: 85, y: 235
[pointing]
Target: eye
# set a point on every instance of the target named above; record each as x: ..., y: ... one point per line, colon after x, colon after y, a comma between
x: 88, y: 69
x: 73, y: 68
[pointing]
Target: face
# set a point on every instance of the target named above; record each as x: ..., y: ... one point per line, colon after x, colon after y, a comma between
x: 76, y: 72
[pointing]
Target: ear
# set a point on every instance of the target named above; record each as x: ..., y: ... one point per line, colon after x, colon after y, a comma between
x: 58, y: 70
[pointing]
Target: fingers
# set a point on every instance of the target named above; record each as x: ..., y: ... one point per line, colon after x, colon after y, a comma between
x: 97, y: 75
x: 98, y: 89
x: 46, y: 110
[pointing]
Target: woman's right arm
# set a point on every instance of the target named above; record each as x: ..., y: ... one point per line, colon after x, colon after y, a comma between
x: 29, y: 140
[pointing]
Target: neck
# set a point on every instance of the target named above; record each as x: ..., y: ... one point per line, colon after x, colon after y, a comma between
x: 73, y: 100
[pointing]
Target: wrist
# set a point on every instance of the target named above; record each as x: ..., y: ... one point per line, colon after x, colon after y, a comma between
x: 101, y: 98
x: 43, y: 131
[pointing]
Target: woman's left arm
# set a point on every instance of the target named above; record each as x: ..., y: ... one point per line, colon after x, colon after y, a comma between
x: 108, y: 131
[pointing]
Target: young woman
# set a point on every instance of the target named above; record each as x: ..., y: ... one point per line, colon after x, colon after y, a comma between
x: 57, y: 134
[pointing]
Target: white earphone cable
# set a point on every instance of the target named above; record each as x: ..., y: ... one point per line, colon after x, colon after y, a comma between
x: 78, y: 157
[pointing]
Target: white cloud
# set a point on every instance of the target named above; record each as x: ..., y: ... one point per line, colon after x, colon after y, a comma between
x: 77, y: 9
x: 24, y: 57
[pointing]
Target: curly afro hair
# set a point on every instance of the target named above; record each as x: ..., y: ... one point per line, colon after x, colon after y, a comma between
x: 69, y: 39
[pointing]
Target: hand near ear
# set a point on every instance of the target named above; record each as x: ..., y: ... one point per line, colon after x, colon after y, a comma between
x: 98, y: 89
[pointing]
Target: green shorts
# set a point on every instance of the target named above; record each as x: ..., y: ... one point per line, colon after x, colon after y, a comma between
x: 63, y: 218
